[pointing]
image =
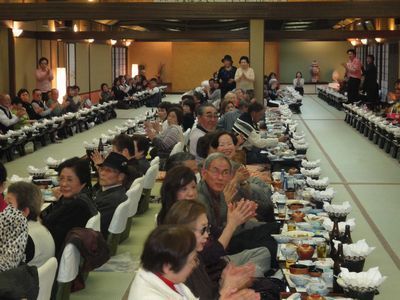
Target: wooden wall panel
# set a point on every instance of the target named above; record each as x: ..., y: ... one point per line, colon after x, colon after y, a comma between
x: 82, y: 66
x: 25, y: 63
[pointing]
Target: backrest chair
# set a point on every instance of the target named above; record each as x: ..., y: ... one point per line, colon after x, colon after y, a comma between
x: 67, y: 271
x: 47, y: 273
x: 94, y: 222
x: 148, y: 183
x: 117, y: 226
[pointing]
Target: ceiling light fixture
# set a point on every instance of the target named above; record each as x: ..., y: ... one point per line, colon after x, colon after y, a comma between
x: 75, y: 28
x: 17, y: 32
x: 364, y: 41
x: 296, y: 26
x: 379, y: 40
x: 90, y: 41
x: 113, y: 42
x: 299, y: 23
x: 353, y: 42
x: 173, y: 29
x: 239, y: 29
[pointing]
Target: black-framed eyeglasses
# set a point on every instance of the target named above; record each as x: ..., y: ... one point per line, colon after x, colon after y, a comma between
x: 205, y: 229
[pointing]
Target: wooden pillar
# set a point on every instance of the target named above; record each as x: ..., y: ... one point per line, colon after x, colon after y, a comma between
x: 257, y: 56
x: 11, y: 62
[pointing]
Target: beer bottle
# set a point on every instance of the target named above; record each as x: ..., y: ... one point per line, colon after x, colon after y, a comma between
x: 335, y: 235
x: 100, y: 148
x: 339, y: 262
x: 347, y: 236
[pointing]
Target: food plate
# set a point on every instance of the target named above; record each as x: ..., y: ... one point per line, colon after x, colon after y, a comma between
x: 298, y: 234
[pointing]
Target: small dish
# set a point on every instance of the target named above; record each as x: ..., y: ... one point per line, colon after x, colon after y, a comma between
x: 298, y: 269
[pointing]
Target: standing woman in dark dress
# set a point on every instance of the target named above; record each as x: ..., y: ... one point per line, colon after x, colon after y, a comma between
x: 226, y: 76
x: 370, y: 85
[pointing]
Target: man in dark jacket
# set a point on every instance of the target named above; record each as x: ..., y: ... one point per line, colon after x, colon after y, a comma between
x: 112, y: 174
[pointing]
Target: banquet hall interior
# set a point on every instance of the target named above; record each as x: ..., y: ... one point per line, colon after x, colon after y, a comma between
x: 180, y: 45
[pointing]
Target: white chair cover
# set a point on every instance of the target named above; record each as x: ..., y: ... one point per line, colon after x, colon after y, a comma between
x: 186, y: 136
x: 47, y: 273
x: 118, y: 221
x: 177, y: 148
x: 150, y: 177
x: 136, y: 182
x: 69, y: 264
x: 94, y: 222
x: 155, y: 161
x: 134, y: 195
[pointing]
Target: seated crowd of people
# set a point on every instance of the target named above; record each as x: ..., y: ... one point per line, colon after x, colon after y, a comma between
x: 213, y: 235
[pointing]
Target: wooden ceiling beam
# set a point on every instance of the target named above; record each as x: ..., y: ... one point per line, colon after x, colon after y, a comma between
x: 270, y: 35
x: 199, y: 11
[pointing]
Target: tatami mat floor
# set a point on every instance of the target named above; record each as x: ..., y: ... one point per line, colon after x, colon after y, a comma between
x: 360, y: 172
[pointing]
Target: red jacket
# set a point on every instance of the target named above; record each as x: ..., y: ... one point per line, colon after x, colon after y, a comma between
x: 3, y: 203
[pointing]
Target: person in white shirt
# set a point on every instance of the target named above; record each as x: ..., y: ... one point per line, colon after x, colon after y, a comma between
x: 169, y: 256
x: 7, y: 118
x: 207, y: 119
x: 27, y: 198
x: 244, y: 76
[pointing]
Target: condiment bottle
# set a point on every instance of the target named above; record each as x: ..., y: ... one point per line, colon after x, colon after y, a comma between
x: 339, y: 262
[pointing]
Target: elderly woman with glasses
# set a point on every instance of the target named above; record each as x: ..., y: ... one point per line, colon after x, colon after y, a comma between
x: 225, y: 281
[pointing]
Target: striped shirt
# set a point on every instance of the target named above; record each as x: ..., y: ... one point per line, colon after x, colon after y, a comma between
x: 245, y: 126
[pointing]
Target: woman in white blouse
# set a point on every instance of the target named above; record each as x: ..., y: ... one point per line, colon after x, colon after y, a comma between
x: 298, y: 83
x: 168, y: 258
x: 244, y: 76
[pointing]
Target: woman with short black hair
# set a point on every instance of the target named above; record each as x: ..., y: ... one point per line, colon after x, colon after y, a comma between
x: 166, y: 140
x: 176, y: 180
x: 74, y: 206
x: 168, y: 258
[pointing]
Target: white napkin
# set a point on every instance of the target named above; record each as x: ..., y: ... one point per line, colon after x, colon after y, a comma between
x: 328, y: 225
x: 318, y: 183
x: 299, y: 146
x: 90, y: 146
x: 327, y: 195
x: 301, y: 141
x: 51, y: 161
x: 278, y: 197
x: 370, y: 279
x: 311, y: 172
x: 358, y: 249
x: 16, y: 178
x: 299, y: 136
x: 344, y: 208
x: 310, y: 164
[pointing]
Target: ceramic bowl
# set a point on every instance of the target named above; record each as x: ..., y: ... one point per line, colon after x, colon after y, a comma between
x: 299, y: 280
x: 317, y: 288
x: 281, y: 239
x: 288, y: 250
x: 298, y: 269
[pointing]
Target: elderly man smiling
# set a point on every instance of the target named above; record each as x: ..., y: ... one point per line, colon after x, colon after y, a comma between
x: 112, y: 174
x: 216, y: 191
